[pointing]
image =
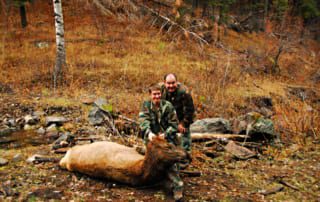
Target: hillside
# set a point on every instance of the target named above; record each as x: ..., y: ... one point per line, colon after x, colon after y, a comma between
x: 117, y: 58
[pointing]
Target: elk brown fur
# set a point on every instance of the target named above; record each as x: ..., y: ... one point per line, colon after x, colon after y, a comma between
x: 124, y: 164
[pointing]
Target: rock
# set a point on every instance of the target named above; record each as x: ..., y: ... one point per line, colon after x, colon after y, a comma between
x: 10, y: 122
x: 102, y: 104
x: 31, y: 120
x: 52, y: 135
x: 56, y: 120
x: 29, y: 127
x: 38, y: 113
x: 41, y: 131
x: 96, y: 116
x: 272, y: 190
x: 17, y: 157
x: 262, y: 126
x: 3, y: 161
x: 33, y: 159
x: 5, y: 130
x: 239, y: 151
x: 211, y: 125
x: 63, y: 141
x: 52, y: 128
x: 254, y: 124
x: 37, y: 158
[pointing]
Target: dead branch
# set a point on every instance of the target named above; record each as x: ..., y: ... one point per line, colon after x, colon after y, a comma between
x: 161, y: 3
x: 173, y: 23
x: 191, y: 173
x: 102, y: 8
x: 288, y: 185
x: 127, y: 119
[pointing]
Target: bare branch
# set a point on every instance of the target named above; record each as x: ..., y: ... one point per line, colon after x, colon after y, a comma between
x: 173, y: 23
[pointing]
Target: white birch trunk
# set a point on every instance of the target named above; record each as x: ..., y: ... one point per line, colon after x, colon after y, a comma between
x: 61, y: 52
x: 3, y: 28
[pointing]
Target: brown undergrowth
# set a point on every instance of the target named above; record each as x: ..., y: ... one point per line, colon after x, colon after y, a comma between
x: 119, y: 59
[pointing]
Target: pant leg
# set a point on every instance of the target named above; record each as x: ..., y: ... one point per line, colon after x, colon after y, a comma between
x: 174, y: 178
x: 186, y: 141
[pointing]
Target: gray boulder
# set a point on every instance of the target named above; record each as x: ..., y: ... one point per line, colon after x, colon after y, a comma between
x: 63, y: 141
x: 31, y: 119
x: 262, y: 126
x: 17, y: 157
x: 211, y: 125
x: 103, y: 105
x: 11, y: 122
x: 59, y: 120
x: 5, y: 130
x: 96, y: 116
x: 3, y: 161
x: 255, y: 125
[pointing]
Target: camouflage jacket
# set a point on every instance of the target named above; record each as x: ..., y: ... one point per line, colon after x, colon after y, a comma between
x: 162, y: 120
x: 182, y: 102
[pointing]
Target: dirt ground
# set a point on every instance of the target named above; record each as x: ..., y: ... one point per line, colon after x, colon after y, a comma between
x: 279, y: 173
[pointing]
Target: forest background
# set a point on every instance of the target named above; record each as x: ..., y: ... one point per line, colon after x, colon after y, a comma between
x: 232, y: 54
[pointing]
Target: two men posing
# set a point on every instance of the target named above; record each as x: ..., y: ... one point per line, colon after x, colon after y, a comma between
x: 169, y: 111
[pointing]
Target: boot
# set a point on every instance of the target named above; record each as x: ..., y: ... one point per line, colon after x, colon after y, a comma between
x: 178, y: 195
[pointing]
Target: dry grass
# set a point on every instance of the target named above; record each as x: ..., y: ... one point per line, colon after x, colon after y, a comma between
x: 118, y: 60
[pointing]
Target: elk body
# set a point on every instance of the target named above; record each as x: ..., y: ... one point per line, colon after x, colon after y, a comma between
x: 124, y: 164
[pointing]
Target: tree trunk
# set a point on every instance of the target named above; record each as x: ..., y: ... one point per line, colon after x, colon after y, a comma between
x: 23, y: 16
x: 265, y: 16
x: 60, y: 49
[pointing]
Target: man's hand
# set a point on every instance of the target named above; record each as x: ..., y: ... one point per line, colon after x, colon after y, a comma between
x: 161, y: 135
x: 151, y: 135
x: 181, y: 128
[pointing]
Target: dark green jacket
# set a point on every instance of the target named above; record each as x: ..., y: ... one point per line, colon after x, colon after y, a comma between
x: 182, y: 102
x: 163, y: 120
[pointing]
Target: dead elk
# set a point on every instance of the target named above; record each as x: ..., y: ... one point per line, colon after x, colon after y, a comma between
x: 124, y: 164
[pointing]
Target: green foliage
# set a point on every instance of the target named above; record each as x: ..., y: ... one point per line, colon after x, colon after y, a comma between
x: 107, y: 107
x: 308, y: 9
x: 19, y: 3
x: 161, y: 46
x: 280, y: 7
x: 224, y: 6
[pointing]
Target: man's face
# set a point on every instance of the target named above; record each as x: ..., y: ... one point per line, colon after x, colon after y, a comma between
x: 170, y: 83
x: 156, y: 96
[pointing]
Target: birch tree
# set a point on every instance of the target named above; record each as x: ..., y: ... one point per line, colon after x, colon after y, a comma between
x: 60, y: 46
x: 3, y: 28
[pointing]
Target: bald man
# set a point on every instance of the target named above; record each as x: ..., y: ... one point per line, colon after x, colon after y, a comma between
x: 181, y: 99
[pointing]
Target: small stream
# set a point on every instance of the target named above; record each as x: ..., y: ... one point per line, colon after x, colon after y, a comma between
x: 20, y: 139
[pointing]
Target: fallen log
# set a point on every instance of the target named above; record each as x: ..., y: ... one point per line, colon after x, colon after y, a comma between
x: 190, y: 173
x: 201, y: 136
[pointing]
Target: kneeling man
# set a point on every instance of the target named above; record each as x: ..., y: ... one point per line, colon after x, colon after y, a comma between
x: 158, y: 118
